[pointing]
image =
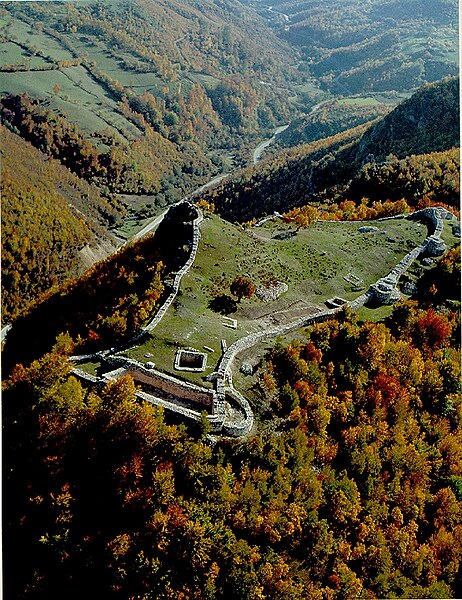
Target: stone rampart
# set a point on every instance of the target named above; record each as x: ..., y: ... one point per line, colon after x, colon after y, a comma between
x: 165, y: 383
x: 385, y: 290
x: 243, y: 426
x: 216, y: 421
x: 215, y: 401
x: 224, y: 367
x: 178, y: 277
x: 84, y: 376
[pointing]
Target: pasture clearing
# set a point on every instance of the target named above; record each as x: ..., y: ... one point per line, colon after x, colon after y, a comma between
x: 313, y: 262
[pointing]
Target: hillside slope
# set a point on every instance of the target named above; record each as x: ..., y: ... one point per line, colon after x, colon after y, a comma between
x: 331, y: 118
x: 192, y: 78
x: 321, y: 171
x: 109, y: 303
x: 352, y: 46
x: 51, y: 224
x: 427, y: 122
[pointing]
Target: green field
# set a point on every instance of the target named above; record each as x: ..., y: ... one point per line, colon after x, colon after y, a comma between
x: 80, y: 97
x: 359, y: 101
x: 35, y: 36
x: 313, y: 263
x: 11, y: 53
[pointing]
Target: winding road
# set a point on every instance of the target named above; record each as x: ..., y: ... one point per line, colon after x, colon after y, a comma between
x: 256, y: 157
x: 216, y: 179
x: 262, y: 147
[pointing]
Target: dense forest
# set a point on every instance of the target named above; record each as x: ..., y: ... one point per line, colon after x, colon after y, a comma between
x: 359, y: 162
x: 393, y: 188
x: 355, y: 47
x: 105, y: 305
x: 349, y: 485
x: 356, y: 493
x: 139, y: 167
x: 46, y: 222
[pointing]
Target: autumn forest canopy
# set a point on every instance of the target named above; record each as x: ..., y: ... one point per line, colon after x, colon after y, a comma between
x: 348, y: 485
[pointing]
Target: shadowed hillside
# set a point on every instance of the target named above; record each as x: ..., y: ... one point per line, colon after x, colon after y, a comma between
x: 322, y: 171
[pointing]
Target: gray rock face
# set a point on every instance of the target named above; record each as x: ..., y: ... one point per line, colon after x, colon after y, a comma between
x: 246, y: 369
x: 367, y: 229
x: 267, y: 294
x: 410, y: 288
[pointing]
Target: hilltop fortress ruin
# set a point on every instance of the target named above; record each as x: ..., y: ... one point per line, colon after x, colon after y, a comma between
x: 226, y: 410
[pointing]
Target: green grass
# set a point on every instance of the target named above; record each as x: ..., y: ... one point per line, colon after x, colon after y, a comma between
x: 309, y: 87
x: 33, y: 36
x: 449, y: 238
x: 90, y: 367
x: 82, y: 99
x: 207, y: 80
x: 359, y: 101
x: 80, y: 96
x: 313, y: 264
x: 11, y: 53
x: 132, y: 225
x: 379, y: 313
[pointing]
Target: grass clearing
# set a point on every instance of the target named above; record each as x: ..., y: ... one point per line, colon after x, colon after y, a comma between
x: 448, y: 236
x: 208, y: 81
x: 11, y: 53
x: 33, y: 36
x: 91, y: 367
x: 359, y: 101
x: 309, y: 87
x: 313, y: 262
x: 80, y: 97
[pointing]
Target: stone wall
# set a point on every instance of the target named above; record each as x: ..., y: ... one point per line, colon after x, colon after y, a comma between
x: 215, y: 401
x: 216, y: 421
x: 385, y: 290
x: 165, y: 383
x: 84, y: 376
x: 178, y: 277
x: 224, y: 366
x: 241, y: 427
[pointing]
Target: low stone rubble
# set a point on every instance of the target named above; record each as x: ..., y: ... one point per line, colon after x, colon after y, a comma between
x: 271, y: 292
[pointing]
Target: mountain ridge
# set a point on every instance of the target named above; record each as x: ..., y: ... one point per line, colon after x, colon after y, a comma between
x: 320, y: 171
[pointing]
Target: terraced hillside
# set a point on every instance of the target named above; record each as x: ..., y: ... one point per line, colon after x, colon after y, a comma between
x: 117, y: 68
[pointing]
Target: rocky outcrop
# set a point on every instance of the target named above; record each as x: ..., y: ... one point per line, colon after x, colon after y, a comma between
x: 271, y: 292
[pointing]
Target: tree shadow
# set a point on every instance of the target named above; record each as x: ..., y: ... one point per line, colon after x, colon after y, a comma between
x: 223, y: 304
